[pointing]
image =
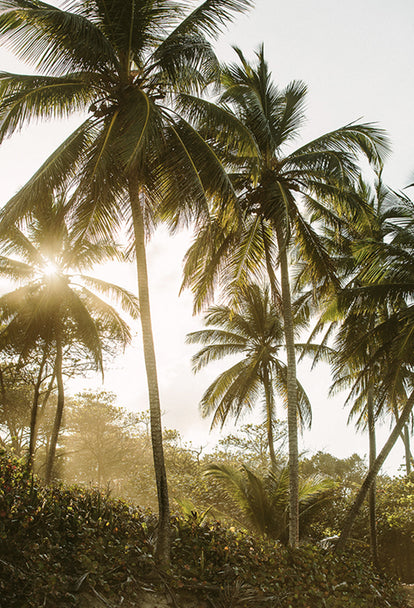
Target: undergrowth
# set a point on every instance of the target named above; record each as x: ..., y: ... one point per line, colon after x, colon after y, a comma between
x: 56, y: 543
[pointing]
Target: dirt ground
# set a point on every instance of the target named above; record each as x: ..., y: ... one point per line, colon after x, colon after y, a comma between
x: 154, y: 600
x: 409, y: 591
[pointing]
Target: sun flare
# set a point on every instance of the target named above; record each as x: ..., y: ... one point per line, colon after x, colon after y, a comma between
x: 50, y: 268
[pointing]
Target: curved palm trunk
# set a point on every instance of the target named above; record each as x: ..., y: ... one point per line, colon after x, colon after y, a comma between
x: 292, y: 394
x: 372, y: 473
x: 405, y: 438
x: 163, y: 544
x: 59, y: 411
x: 47, y: 394
x: 372, y: 490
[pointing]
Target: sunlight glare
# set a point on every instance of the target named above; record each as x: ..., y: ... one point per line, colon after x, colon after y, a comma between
x: 50, y: 268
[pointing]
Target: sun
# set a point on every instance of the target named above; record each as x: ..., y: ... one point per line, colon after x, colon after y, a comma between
x: 50, y: 269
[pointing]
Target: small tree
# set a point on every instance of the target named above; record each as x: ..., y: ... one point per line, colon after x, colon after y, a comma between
x: 98, y: 446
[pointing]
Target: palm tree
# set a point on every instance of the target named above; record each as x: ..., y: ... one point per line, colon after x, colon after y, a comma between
x: 56, y: 307
x: 264, y: 500
x: 363, y: 394
x: 127, y: 63
x: 382, y: 291
x: 275, y: 187
x: 351, y: 357
x: 254, y: 330
x: 347, y: 245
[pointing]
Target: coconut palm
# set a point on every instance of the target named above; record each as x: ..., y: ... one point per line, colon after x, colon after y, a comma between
x: 254, y: 330
x: 379, y: 299
x: 350, y: 360
x: 275, y: 187
x: 351, y: 357
x: 264, y: 500
x: 56, y: 307
x: 126, y: 63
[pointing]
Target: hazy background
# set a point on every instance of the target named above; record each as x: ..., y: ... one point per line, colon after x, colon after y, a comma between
x: 356, y: 59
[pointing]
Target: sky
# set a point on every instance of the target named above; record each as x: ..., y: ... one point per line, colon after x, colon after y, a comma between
x: 356, y: 59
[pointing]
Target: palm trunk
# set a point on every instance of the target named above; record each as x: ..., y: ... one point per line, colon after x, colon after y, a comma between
x: 34, y: 411
x: 408, y: 456
x: 372, y: 490
x: 270, y: 271
x: 292, y: 395
x: 269, y: 418
x: 163, y: 543
x: 405, y: 438
x: 59, y: 412
x: 47, y: 394
x: 9, y: 423
x: 372, y: 474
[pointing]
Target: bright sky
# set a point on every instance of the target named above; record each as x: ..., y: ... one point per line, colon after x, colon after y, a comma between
x: 356, y: 58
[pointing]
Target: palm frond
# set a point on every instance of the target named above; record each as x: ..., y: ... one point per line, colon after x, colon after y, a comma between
x: 232, y: 393
x: 54, y: 40
x: 125, y: 298
x: 210, y: 17
x: 52, y: 176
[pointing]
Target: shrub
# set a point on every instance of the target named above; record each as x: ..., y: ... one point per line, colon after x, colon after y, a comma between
x: 56, y: 542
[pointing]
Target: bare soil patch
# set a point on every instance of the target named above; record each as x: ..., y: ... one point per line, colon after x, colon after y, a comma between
x: 409, y: 592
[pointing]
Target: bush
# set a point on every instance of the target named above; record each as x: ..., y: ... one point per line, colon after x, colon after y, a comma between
x: 302, y: 578
x: 395, y: 516
x: 56, y: 542
x: 53, y: 539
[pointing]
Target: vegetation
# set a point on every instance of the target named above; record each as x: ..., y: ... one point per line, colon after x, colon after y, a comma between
x: 264, y: 500
x: 61, y: 544
x: 56, y: 308
x: 282, y: 236
x: 127, y: 66
x: 252, y: 328
x: 273, y: 187
x: 239, y: 491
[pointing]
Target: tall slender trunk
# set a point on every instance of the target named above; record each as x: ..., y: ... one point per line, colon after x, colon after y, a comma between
x: 10, y: 425
x: 59, y: 411
x: 408, y: 456
x: 372, y: 474
x: 163, y: 543
x: 269, y: 418
x: 292, y: 394
x: 269, y: 269
x: 372, y: 490
x: 34, y: 410
x: 46, y: 394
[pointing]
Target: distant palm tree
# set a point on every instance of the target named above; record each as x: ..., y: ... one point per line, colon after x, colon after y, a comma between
x: 253, y: 329
x: 128, y: 63
x: 347, y: 322
x: 276, y: 187
x: 264, y: 499
x: 57, y: 306
x: 351, y: 361
x: 382, y: 291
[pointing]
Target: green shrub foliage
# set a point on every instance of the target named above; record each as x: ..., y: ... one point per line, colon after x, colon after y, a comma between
x: 395, y: 521
x: 59, y: 542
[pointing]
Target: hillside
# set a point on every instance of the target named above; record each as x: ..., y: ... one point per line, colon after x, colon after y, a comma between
x: 64, y: 546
